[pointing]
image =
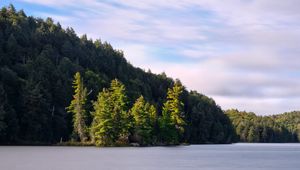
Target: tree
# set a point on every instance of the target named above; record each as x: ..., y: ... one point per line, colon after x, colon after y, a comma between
x: 102, y: 128
x: 119, y: 113
x: 144, y: 115
x: 111, y: 124
x: 172, y: 121
x: 77, y: 107
x: 94, y: 82
x: 252, y: 135
x: 35, y: 114
x: 298, y: 132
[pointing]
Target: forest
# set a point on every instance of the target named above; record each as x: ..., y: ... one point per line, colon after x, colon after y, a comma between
x: 265, y: 129
x: 57, y: 87
x: 38, y: 61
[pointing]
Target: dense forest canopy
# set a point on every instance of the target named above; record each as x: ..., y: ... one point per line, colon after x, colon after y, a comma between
x: 38, y: 60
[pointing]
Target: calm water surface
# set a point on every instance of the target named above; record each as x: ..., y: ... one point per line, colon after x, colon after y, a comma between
x: 194, y: 157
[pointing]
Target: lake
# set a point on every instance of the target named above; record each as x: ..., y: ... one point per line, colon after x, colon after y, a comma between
x: 194, y: 157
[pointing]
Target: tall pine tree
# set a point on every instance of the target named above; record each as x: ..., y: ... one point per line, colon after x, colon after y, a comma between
x: 77, y: 107
x: 172, y: 120
x: 120, y: 113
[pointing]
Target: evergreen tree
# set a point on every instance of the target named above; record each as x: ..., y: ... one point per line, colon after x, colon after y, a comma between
x: 119, y: 112
x: 35, y: 113
x: 77, y: 107
x: 102, y: 128
x: 144, y: 115
x: 111, y: 120
x: 172, y: 121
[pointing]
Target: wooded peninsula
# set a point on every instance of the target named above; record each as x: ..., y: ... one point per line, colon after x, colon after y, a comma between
x: 56, y: 87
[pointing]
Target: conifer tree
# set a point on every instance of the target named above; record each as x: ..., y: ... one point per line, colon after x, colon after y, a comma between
x: 111, y: 120
x: 119, y: 111
x: 172, y: 121
x: 144, y: 115
x: 77, y: 107
x: 102, y: 129
x: 35, y: 113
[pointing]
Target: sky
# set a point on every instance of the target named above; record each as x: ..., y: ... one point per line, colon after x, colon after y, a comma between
x: 245, y: 54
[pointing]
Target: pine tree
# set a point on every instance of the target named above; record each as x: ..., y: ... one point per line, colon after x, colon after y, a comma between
x: 144, y: 115
x: 111, y: 124
x: 102, y: 128
x: 77, y: 107
x: 119, y: 111
x: 172, y: 121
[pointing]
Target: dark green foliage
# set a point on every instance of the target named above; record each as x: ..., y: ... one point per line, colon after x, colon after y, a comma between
x: 291, y: 121
x: 9, y: 126
x: 206, y: 122
x: 278, y: 128
x: 35, y: 115
x: 3, y: 113
x: 38, y: 59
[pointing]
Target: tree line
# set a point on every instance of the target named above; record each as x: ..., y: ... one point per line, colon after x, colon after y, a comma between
x: 114, y: 123
x: 38, y: 61
x: 267, y: 129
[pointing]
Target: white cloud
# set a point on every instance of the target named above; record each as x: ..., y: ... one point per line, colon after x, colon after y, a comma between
x: 51, y: 2
x: 57, y: 18
x: 136, y: 54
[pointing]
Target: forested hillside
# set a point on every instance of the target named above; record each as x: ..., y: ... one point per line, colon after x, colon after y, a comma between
x: 268, y: 129
x: 38, y: 60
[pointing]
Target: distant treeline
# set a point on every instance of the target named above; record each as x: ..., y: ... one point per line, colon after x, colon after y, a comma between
x: 38, y: 61
x: 268, y: 129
